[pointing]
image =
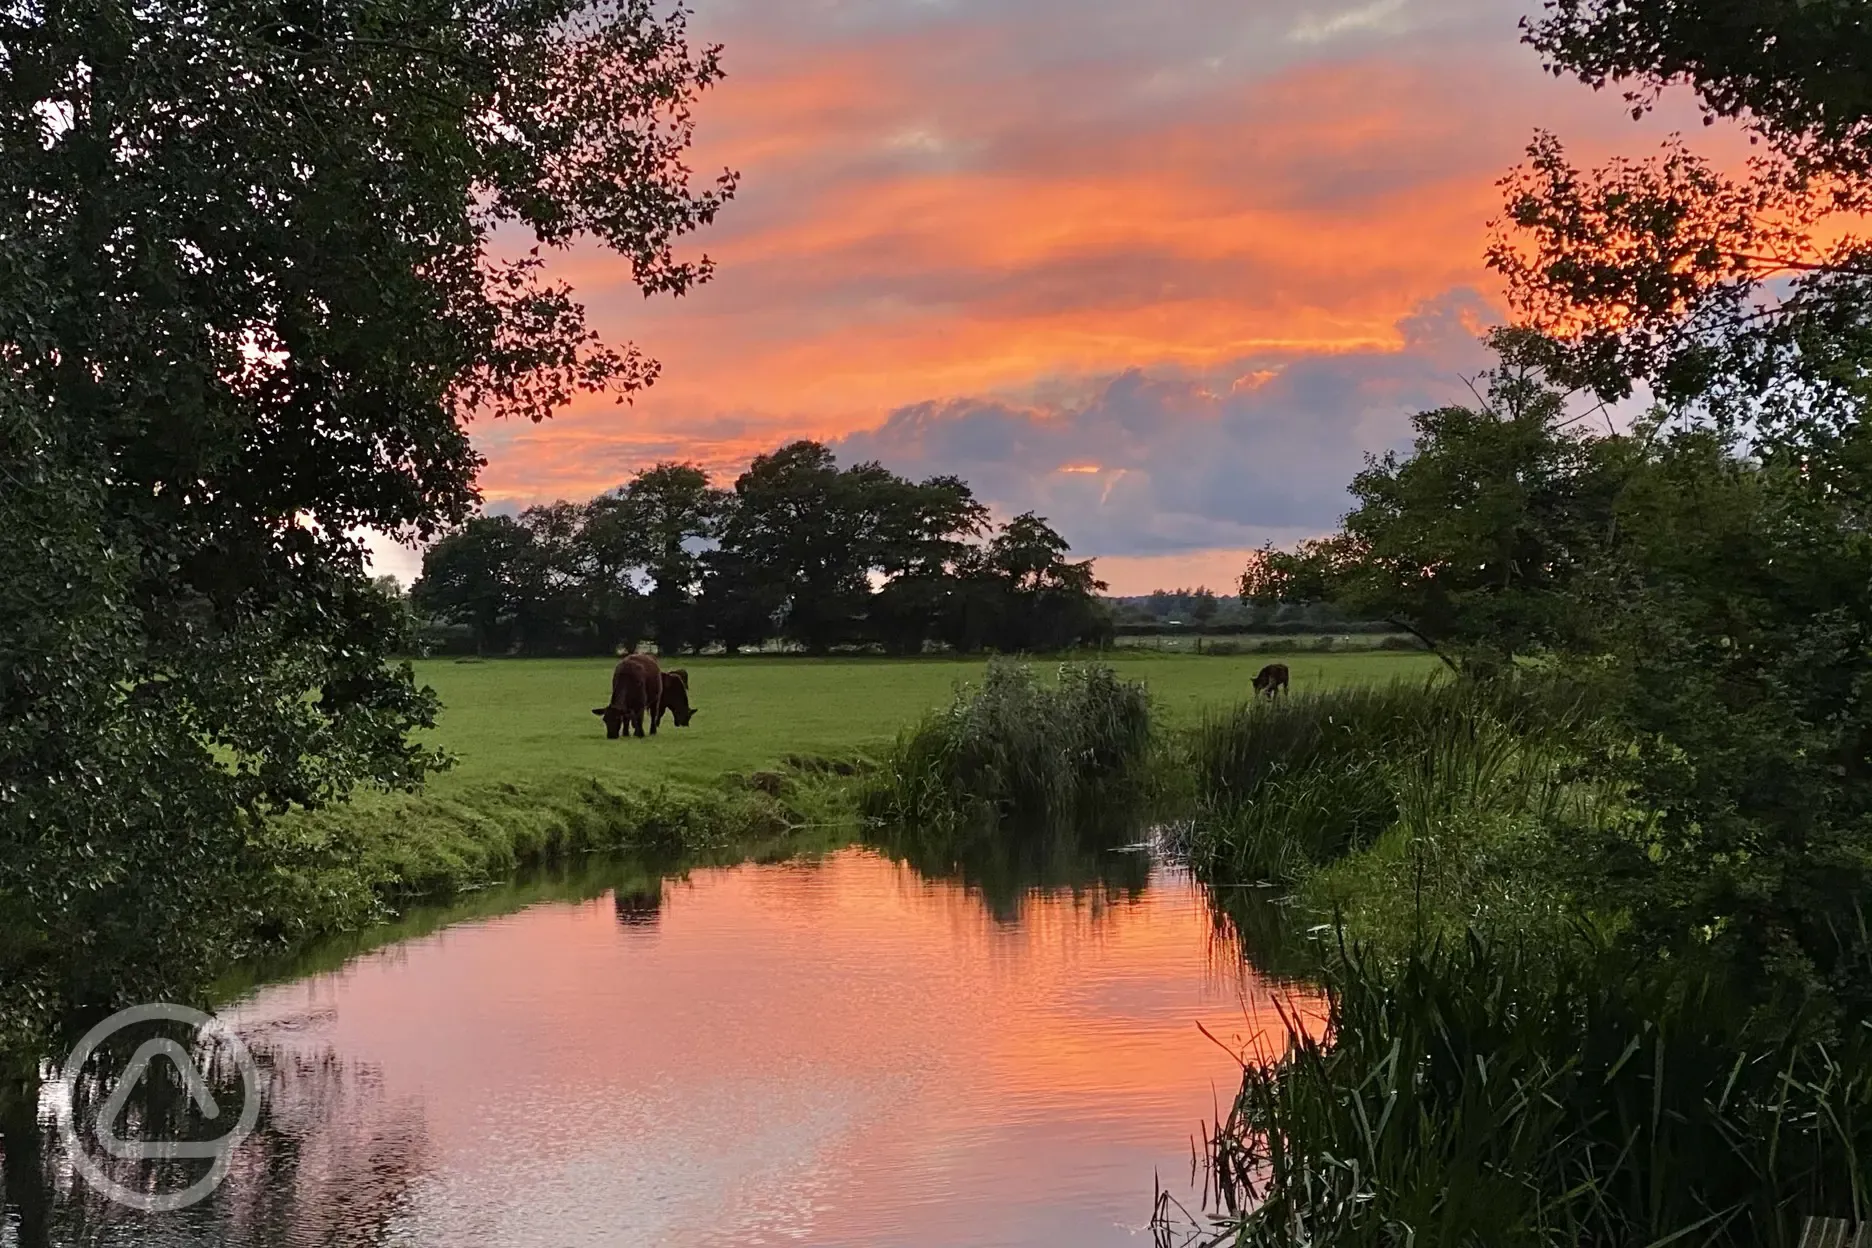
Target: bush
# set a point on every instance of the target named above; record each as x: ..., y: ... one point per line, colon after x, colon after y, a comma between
x: 1015, y: 748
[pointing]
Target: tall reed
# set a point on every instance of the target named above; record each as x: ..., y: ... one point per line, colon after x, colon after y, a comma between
x: 1464, y: 1095
x: 1015, y: 748
x: 1290, y: 785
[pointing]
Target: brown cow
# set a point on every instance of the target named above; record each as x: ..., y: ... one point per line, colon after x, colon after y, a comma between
x: 676, y: 699
x: 636, y: 688
x: 1271, y: 679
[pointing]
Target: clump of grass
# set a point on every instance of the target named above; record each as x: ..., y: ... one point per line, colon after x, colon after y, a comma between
x: 1469, y: 1095
x: 1289, y: 785
x: 1015, y: 748
x: 1285, y: 785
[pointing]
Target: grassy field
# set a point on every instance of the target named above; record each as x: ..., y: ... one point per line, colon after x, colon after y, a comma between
x: 539, y: 785
x: 530, y: 719
x: 1262, y: 644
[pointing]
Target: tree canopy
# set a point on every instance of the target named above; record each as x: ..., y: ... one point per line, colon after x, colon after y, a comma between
x: 259, y: 264
x: 1481, y: 542
x: 800, y: 549
x: 1799, y: 72
x: 1707, y: 570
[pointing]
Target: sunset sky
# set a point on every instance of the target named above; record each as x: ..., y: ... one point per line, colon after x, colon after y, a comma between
x: 1160, y: 271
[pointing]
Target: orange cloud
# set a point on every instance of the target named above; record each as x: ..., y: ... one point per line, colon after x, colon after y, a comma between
x: 972, y: 205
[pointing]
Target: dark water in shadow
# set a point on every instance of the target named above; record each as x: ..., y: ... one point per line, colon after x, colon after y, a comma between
x: 838, y: 1052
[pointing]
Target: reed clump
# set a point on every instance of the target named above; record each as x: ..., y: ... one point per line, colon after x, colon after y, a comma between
x: 1290, y: 785
x: 1466, y: 1094
x: 1017, y: 748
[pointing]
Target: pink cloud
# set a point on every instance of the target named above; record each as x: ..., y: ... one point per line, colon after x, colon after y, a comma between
x: 975, y: 215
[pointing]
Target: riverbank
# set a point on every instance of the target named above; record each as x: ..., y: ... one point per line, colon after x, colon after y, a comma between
x: 765, y: 769
x: 1524, y: 1048
x: 369, y: 862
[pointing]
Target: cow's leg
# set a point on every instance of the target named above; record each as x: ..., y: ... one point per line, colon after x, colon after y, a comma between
x: 636, y: 717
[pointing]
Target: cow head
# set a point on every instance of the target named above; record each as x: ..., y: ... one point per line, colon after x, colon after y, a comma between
x: 614, y: 720
x: 676, y: 697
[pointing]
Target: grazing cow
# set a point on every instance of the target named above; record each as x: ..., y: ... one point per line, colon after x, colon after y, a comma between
x: 676, y: 699
x: 1271, y: 679
x: 636, y: 689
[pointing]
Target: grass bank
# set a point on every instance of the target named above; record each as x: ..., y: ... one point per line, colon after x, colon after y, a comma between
x: 765, y: 768
x: 1499, y: 1067
x: 372, y: 861
x: 1408, y: 809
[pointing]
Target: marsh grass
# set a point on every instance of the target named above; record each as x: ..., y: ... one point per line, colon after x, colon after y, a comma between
x: 1497, y: 1067
x: 1469, y: 1095
x: 1015, y: 748
x: 1289, y: 785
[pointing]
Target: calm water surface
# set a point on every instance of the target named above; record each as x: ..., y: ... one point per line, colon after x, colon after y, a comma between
x: 840, y: 1052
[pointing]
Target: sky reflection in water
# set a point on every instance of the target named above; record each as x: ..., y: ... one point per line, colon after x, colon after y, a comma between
x: 834, y: 1053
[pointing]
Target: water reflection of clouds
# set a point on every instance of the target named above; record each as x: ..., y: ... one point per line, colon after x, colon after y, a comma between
x: 841, y: 1053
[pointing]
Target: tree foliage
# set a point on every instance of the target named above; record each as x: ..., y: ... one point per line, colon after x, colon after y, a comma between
x: 1738, y: 292
x: 657, y: 522
x: 800, y: 549
x: 250, y: 292
x: 1711, y: 567
x: 1799, y: 72
x: 1482, y: 541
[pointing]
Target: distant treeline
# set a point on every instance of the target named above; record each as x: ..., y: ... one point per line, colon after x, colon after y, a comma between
x: 1239, y: 628
x: 1203, y: 611
x: 799, y: 551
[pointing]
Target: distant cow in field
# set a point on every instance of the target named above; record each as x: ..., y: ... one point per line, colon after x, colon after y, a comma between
x: 636, y: 690
x: 675, y: 699
x: 1271, y: 679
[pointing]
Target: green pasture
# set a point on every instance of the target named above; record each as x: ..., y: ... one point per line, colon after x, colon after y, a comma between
x: 527, y: 720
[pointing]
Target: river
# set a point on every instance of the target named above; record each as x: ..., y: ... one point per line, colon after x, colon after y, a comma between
x: 841, y: 1051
